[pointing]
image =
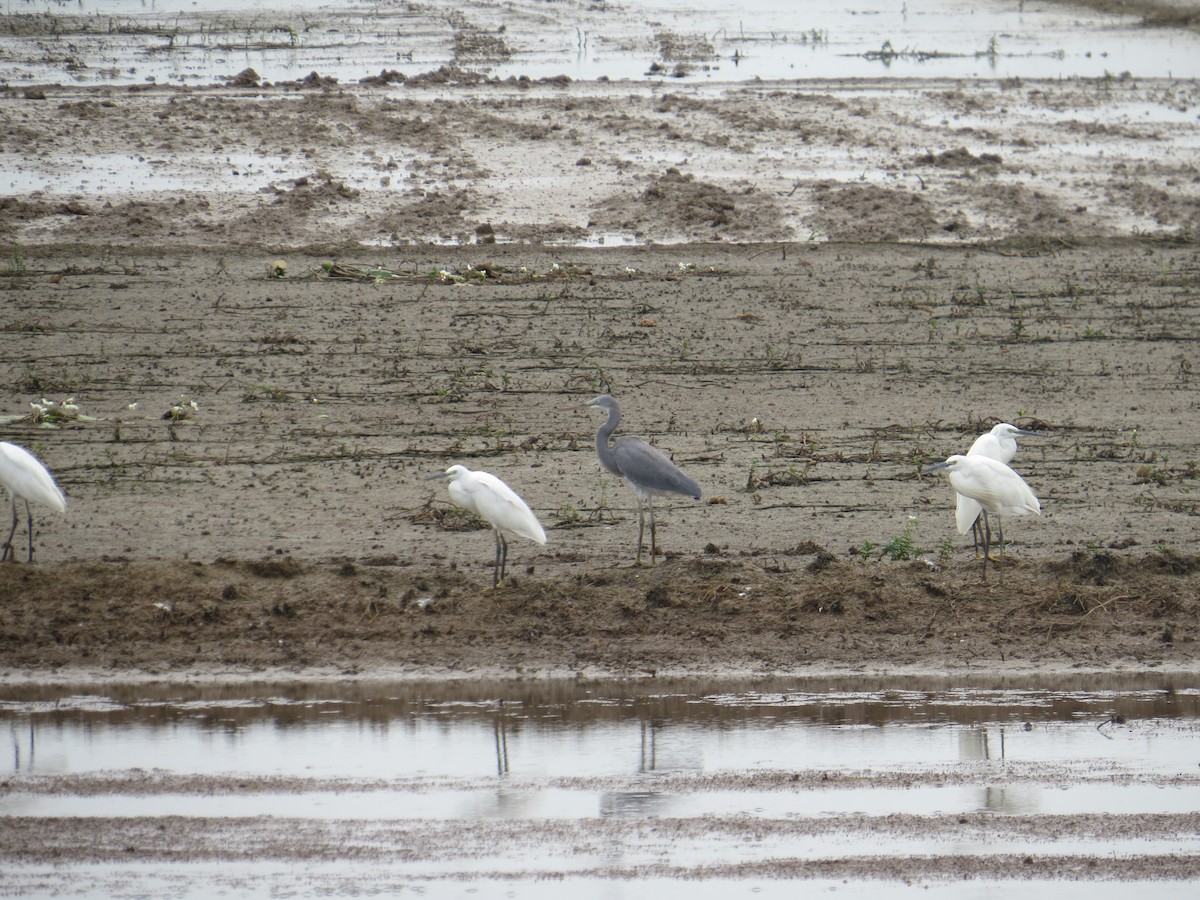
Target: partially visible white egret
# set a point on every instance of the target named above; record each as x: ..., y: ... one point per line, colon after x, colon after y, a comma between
x: 497, y: 504
x: 26, y: 479
x: 648, y: 469
x: 998, y: 489
x: 1000, y: 444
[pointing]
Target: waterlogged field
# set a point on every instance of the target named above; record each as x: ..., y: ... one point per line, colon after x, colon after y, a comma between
x: 257, y: 790
x: 265, y: 270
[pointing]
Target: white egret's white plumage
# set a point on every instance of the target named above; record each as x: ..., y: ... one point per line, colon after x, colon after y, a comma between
x: 1000, y: 444
x: 994, y: 486
x: 648, y: 469
x: 497, y: 504
x: 27, y: 479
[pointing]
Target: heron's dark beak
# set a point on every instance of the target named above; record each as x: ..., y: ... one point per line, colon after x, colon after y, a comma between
x: 934, y: 467
x: 435, y: 476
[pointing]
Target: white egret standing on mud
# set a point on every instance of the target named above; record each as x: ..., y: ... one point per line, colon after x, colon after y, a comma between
x: 26, y: 479
x: 647, y: 468
x: 497, y: 504
x: 998, y: 489
x: 999, y: 444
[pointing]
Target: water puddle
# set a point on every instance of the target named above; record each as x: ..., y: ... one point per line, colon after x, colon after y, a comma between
x: 704, y: 774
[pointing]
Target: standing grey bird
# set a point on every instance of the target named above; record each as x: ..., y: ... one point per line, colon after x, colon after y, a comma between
x: 26, y: 479
x: 647, y: 468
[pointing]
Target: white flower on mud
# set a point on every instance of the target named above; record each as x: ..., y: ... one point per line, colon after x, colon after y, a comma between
x: 182, y: 410
x: 132, y: 405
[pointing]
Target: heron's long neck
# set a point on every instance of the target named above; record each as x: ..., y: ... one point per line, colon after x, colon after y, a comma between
x: 603, y: 450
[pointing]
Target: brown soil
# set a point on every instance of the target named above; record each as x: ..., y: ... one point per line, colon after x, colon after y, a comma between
x: 285, y: 523
x: 802, y: 384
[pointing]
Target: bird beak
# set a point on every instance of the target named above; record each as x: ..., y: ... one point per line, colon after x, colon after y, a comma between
x: 435, y: 476
x: 934, y: 467
x: 1023, y: 433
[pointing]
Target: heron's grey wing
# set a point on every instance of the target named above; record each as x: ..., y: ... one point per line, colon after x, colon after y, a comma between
x: 651, y: 470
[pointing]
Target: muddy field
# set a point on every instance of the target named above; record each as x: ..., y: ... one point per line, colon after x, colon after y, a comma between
x: 860, y: 277
x: 243, y: 319
x: 284, y: 521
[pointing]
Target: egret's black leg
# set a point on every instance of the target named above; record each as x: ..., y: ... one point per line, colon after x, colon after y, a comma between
x: 496, y: 567
x: 8, y: 544
x: 1000, y: 529
x: 503, y: 555
x: 987, y: 542
x: 29, y: 513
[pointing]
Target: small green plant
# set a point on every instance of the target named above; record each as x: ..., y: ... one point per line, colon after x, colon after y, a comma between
x: 902, y: 546
x: 945, y: 551
x: 866, y: 551
x: 568, y: 516
x: 16, y: 266
x: 1018, y: 326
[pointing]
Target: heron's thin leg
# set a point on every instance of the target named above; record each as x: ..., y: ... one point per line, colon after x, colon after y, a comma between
x: 29, y: 513
x: 8, y: 544
x: 641, y: 529
x: 1000, y: 529
x: 496, y: 568
x: 976, y: 535
x: 653, y: 541
x: 503, y: 555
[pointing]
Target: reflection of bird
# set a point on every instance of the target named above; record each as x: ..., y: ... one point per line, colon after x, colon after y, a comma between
x: 497, y: 504
x: 998, y: 489
x: 26, y: 479
x: 647, y: 468
x: 1000, y: 444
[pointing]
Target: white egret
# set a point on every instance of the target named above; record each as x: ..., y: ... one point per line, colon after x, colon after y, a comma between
x: 26, y: 479
x: 497, y: 504
x: 998, y: 489
x: 647, y: 468
x: 1000, y: 444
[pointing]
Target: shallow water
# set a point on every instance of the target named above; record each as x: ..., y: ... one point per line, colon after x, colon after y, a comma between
x: 854, y: 754
x: 199, y: 40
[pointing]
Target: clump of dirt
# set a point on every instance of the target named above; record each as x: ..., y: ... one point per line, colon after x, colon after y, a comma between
x: 962, y: 158
x: 680, y: 204
x: 865, y: 212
